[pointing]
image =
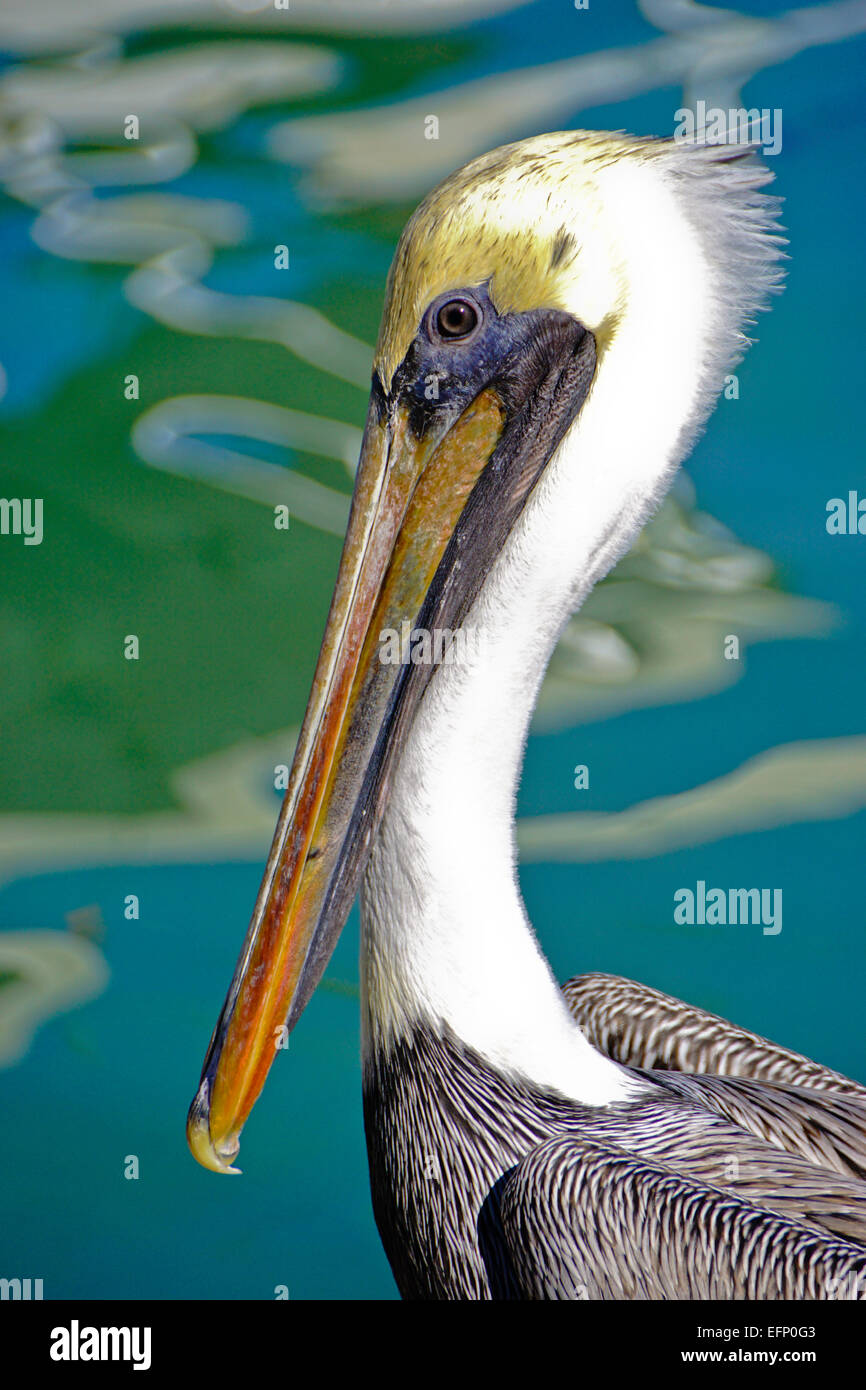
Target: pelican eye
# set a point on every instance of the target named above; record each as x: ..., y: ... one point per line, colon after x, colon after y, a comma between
x: 457, y: 319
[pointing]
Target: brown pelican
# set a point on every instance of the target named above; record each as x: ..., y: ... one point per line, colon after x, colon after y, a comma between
x: 558, y: 320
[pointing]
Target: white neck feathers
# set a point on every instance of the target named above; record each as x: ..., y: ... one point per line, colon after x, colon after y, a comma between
x: 445, y: 934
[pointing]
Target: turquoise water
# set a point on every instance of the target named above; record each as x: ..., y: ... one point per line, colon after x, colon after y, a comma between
x: 113, y: 1077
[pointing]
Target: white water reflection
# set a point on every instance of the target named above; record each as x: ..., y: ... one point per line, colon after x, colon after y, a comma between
x: 169, y: 287
x: 164, y: 438
x: 788, y: 785
x: 380, y: 153
x: 95, y: 27
x: 206, y: 84
x: 43, y: 973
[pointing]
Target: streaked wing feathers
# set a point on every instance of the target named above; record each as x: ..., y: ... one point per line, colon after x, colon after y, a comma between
x: 827, y: 1129
x: 641, y: 1027
x: 581, y: 1220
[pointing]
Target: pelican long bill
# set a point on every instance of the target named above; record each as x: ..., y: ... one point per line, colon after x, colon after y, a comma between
x: 448, y: 460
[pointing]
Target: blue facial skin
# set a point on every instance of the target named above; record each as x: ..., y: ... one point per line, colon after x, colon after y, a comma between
x: 440, y: 375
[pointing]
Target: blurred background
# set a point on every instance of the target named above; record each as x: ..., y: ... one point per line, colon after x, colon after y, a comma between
x: 167, y: 380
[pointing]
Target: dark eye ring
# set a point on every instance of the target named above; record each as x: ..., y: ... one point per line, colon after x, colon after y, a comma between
x: 457, y: 318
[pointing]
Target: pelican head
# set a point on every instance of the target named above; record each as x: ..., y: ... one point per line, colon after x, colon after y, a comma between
x: 558, y: 320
